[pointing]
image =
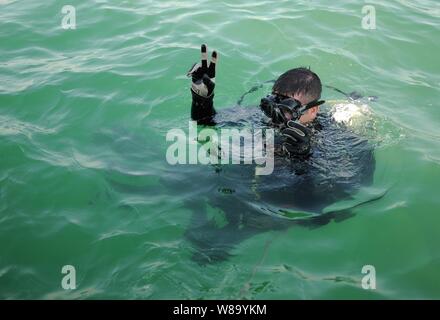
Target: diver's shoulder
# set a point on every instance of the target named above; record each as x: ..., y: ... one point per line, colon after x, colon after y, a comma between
x: 321, y: 122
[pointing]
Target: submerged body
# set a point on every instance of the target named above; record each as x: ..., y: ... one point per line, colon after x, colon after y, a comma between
x: 317, y: 163
x: 296, y: 193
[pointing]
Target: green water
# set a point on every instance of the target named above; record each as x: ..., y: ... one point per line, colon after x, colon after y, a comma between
x: 83, y: 119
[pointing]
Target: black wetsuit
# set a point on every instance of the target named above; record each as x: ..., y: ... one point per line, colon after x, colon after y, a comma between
x: 339, y: 164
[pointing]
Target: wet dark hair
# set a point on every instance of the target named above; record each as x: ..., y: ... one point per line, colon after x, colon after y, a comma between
x: 299, y: 81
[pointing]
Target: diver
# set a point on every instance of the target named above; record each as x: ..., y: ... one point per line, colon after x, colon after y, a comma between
x: 317, y: 164
x: 292, y: 107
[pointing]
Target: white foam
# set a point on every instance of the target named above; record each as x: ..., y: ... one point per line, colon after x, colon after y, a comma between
x: 350, y: 113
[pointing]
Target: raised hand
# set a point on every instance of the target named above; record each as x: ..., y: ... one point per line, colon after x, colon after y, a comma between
x: 203, y: 76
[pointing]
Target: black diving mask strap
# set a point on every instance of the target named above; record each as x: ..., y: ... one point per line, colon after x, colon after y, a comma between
x: 310, y: 105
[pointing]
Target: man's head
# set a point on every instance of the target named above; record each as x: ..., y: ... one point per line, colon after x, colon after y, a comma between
x: 303, y: 85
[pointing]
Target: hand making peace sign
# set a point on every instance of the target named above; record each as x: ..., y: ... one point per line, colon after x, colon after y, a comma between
x: 203, y: 76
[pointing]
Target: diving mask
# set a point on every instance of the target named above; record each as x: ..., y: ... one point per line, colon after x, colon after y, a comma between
x: 281, y: 109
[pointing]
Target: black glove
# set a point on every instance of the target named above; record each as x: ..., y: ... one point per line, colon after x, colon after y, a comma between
x: 296, y: 139
x: 203, y: 77
x: 202, y: 89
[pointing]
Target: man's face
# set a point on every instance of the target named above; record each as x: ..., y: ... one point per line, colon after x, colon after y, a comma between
x: 310, y: 114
